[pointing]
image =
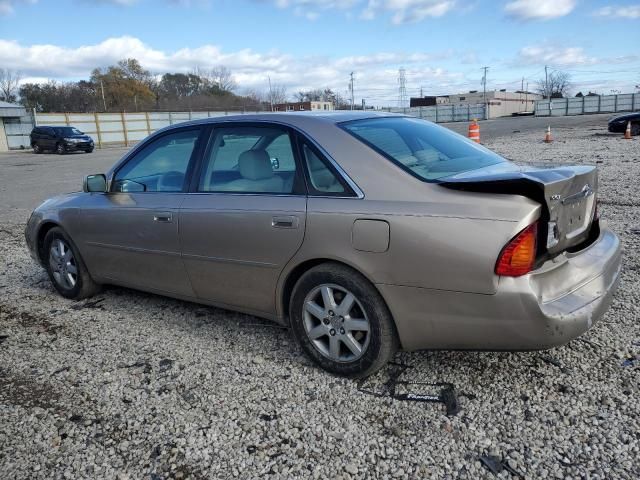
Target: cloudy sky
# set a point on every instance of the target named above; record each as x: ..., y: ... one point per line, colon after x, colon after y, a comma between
x: 302, y: 44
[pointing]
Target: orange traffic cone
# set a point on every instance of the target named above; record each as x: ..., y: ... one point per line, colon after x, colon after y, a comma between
x: 627, y: 132
x: 474, y: 131
x: 547, y: 137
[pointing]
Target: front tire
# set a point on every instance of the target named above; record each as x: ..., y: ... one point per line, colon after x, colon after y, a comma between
x: 65, y: 267
x: 341, y: 321
x: 89, y: 151
x: 635, y: 130
x: 36, y: 148
x: 60, y: 150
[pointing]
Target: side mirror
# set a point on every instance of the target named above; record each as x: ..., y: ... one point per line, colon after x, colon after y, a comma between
x: 95, y: 183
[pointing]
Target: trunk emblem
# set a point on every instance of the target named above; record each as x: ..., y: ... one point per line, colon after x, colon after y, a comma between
x: 576, y: 197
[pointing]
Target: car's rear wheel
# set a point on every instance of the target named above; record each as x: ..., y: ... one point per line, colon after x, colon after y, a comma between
x: 341, y: 321
x: 60, y: 149
x: 36, y: 148
x: 65, y: 267
x: 635, y: 129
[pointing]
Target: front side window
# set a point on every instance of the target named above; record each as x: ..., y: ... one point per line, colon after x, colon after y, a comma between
x: 247, y: 159
x: 425, y: 150
x: 67, y: 131
x: 161, y: 166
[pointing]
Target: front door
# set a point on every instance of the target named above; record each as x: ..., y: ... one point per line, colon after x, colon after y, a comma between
x: 130, y: 234
x: 245, y: 218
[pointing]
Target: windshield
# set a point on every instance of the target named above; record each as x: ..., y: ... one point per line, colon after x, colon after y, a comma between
x: 425, y: 150
x: 68, y: 131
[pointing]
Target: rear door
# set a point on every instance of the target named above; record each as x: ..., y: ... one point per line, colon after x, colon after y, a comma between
x: 245, y: 215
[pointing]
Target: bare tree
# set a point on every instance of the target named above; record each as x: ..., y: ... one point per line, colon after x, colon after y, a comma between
x: 221, y: 77
x: 278, y: 94
x: 557, y: 85
x: 9, y: 81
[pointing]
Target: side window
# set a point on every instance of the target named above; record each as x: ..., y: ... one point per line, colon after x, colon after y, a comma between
x: 323, y: 179
x: 281, y: 154
x: 160, y: 166
x: 249, y: 160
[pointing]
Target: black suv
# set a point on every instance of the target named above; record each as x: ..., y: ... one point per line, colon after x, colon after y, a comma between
x: 60, y: 140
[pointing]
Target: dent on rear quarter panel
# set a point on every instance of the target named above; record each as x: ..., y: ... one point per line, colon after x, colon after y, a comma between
x: 425, y: 250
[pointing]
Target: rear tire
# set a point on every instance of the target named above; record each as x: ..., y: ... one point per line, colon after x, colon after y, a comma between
x: 635, y: 130
x: 65, y: 267
x: 60, y: 150
x: 341, y: 321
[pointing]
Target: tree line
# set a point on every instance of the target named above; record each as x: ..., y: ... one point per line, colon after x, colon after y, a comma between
x: 127, y: 86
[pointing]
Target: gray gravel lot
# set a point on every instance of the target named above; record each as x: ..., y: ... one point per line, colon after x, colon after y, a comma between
x: 132, y: 385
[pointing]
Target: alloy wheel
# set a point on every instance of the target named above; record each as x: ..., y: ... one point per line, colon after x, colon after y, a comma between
x: 335, y: 323
x: 63, y: 264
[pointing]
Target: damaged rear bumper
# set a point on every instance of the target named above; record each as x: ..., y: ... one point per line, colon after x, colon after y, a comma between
x: 548, y: 307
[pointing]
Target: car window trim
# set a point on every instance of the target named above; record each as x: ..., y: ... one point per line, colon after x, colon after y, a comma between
x: 199, y: 168
x: 151, y: 139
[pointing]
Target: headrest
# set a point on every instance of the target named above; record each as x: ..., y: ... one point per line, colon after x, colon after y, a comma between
x: 255, y: 165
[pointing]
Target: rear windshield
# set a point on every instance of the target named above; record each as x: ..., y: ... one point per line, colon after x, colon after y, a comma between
x: 425, y: 150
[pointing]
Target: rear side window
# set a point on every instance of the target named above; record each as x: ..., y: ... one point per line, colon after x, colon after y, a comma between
x: 322, y: 179
x: 425, y: 150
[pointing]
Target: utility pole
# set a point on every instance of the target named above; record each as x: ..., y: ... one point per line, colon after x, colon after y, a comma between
x: 351, y: 89
x: 270, y: 93
x: 484, y: 92
x: 546, y: 82
x: 104, y: 102
x: 521, y: 88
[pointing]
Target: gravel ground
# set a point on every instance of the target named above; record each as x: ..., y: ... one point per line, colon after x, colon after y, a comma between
x: 131, y: 385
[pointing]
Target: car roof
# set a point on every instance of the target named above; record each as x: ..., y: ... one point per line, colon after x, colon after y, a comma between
x: 294, y: 118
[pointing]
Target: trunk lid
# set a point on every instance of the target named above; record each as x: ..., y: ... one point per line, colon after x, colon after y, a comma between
x: 568, y: 195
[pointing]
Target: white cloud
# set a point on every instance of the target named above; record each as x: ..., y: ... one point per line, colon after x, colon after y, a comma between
x: 619, y: 11
x: 374, y: 73
x: 7, y: 7
x: 408, y: 11
x: 539, y: 9
x: 552, y: 55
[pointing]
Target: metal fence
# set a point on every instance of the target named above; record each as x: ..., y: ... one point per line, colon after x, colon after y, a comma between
x: 122, y: 128
x: 558, y: 107
x: 444, y: 113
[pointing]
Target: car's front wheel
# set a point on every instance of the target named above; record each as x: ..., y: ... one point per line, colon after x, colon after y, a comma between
x: 635, y: 129
x: 341, y: 321
x: 60, y: 150
x: 65, y: 267
x: 36, y: 148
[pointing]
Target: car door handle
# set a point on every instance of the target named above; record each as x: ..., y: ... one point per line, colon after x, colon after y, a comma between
x: 285, y: 222
x: 164, y: 217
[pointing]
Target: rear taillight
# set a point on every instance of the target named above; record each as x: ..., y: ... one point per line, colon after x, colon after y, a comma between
x: 519, y: 255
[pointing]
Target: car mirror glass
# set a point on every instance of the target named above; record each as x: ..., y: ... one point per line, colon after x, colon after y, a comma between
x: 95, y: 183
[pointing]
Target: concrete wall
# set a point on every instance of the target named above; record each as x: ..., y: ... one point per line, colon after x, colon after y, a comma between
x: 122, y: 128
x: 559, y: 107
x: 4, y: 146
